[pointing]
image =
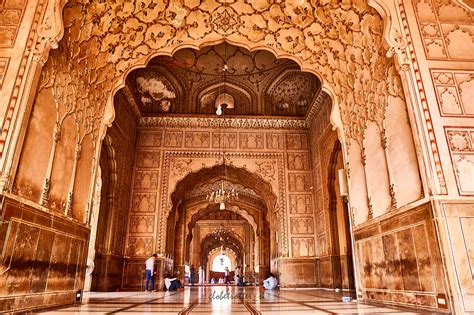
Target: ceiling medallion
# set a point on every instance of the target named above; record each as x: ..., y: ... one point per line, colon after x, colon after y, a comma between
x: 224, y: 20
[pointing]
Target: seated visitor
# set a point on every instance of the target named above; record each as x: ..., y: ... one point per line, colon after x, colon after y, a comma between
x: 213, y: 281
x: 221, y: 280
x: 171, y: 283
x: 271, y: 282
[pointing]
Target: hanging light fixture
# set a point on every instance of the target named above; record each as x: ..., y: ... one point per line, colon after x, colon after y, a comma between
x: 223, y: 101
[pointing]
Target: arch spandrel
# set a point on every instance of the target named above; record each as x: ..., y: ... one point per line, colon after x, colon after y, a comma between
x: 115, y: 46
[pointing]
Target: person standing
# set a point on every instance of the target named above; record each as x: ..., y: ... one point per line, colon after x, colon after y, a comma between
x: 192, y: 274
x: 201, y: 275
x: 226, y: 275
x: 237, y: 274
x: 150, y: 272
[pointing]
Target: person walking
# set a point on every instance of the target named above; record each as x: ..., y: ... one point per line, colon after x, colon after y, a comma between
x: 150, y: 272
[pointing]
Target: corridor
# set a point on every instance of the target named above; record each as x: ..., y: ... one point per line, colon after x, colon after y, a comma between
x: 222, y: 300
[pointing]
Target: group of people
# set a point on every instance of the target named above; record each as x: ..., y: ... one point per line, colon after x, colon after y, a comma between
x: 172, y: 283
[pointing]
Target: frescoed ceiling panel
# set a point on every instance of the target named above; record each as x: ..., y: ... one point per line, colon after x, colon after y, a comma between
x: 189, y: 82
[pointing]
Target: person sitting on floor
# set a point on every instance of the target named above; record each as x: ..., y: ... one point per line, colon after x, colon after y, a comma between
x: 171, y: 283
x: 271, y: 282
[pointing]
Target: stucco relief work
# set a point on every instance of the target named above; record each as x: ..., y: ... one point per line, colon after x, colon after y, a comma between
x: 461, y: 147
x: 446, y: 28
x: 109, y: 38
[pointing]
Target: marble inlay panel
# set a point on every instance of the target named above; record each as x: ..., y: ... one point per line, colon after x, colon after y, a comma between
x: 41, y: 264
x: 26, y: 240
x: 59, y: 259
x: 410, y: 274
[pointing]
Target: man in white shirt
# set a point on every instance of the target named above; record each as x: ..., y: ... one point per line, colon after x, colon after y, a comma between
x: 150, y: 272
x: 271, y: 282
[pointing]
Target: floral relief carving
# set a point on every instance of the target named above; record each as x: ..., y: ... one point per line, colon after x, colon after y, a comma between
x: 146, y: 158
x: 173, y: 139
x: 113, y: 45
x: 226, y: 140
x: 267, y: 170
x: 150, y: 139
x: 299, y: 182
x: 169, y: 179
x: 144, y: 202
x: 296, y: 141
x: 275, y: 141
x: 302, y: 246
x: 301, y: 204
x: 140, y: 246
x: 251, y: 140
x: 197, y: 139
x: 302, y: 225
x: 454, y: 91
x: 146, y: 180
x: 10, y: 20
x: 459, y: 140
x: 181, y: 167
x: 298, y: 161
x: 142, y: 223
x: 442, y: 38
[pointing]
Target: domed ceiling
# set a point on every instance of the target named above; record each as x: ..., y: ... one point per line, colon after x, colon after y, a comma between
x: 189, y: 82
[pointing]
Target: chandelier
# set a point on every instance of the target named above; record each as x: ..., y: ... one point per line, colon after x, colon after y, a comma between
x: 221, y: 234
x: 222, y: 102
x: 221, y: 195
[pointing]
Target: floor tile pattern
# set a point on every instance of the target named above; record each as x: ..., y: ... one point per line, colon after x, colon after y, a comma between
x: 223, y: 300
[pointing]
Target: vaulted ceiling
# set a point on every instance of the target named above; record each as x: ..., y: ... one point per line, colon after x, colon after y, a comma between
x: 189, y: 82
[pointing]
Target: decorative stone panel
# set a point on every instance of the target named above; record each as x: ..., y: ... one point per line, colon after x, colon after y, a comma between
x: 461, y: 148
x: 301, y: 204
x: 454, y: 91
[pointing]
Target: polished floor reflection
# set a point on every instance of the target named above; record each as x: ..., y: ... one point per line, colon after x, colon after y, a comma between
x: 223, y: 300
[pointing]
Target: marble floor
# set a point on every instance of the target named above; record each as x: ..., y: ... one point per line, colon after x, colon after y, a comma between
x: 223, y: 300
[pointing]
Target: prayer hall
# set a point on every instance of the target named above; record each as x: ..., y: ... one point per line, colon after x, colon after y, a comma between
x: 237, y: 156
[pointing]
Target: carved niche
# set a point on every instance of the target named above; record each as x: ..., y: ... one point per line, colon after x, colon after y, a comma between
x: 173, y: 139
x: 146, y: 180
x: 251, y: 140
x: 301, y: 204
x: 302, y: 225
x: 299, y: 182
x: 302, y: 246
x: 148, y: 159
x: 150, y: 138
x: 227, y: 140
x: 298, y: 161
x: 143, y: 202
x: 296, y: 141
x: 197, y: 139
x: 142, y: 223
x: 275, y: 141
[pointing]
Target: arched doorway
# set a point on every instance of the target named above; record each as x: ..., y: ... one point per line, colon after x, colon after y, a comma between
x: 343, y: 264
x: 196, y: 228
